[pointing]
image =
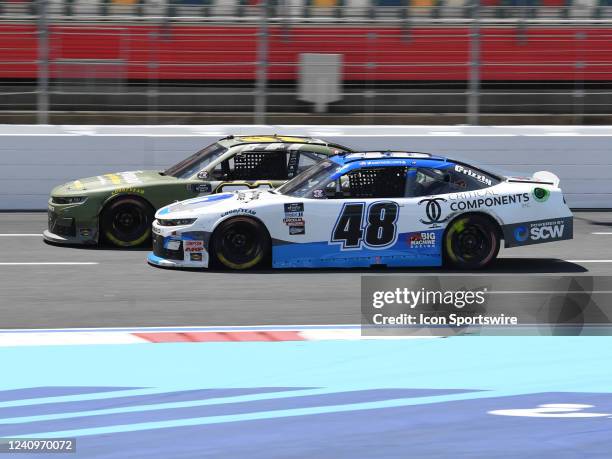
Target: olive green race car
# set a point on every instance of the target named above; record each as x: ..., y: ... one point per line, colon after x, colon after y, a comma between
x: 118, y: 208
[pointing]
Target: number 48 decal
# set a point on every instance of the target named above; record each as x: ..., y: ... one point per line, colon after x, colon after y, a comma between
x: 378, y: 229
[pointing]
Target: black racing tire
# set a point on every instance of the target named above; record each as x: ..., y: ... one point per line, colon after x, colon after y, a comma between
x: 240, y: 243
x: 471, y: 241
x: 126, y: 222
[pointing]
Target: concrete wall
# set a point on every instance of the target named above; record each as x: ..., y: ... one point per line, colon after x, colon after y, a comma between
x: 33, y: 159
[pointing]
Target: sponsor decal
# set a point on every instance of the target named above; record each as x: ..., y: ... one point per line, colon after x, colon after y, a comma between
x: 521, y: 233
x: 520, y: 198
x: 294, y: 214
x: 546, y: 230
x: 318, y: 194
x: 200, y: 188
x: 539, y: 231
x: 294, y: 217
x: 422, y: 240
x: 465, y: 195
x: 433, y: 210
x: 471, y: 173
x: 293, y: 207
x: 128, y: 190
x: 540, y: 194
x: 193, y: 246
x: 203, y: 175
x: 241, y: 210
x: 172, y: 244
x: 247, y: 196
x: 85, y: 232
x: 195, y: 256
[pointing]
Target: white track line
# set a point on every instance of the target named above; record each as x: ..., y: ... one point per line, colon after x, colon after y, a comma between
x: 602, y: 232
x: 589, y: 261
x: 185, y: 328
x: 20, y: 235
x: 50, y: 263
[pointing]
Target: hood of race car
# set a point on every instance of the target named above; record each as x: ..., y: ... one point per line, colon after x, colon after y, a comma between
x: 215, y: 203
x: 111, y: 182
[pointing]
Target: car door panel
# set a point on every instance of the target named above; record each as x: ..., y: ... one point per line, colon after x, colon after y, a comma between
x: 356, y: 233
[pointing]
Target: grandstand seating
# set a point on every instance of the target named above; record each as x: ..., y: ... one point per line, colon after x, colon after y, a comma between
x: 400, y: 9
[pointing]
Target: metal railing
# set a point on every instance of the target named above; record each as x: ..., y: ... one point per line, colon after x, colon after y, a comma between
x: 159, y: 62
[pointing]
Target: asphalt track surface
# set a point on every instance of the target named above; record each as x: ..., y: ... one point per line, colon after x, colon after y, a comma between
x: 122, y: 290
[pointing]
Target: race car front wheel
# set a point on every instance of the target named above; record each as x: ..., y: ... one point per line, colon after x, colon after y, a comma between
x: 471, y: 242
x: 240, y: 243
x: 126, y: 222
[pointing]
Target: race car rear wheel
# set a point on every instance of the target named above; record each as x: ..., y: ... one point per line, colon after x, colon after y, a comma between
x: 471, y: 242
x: 240, y: 243
x: 126, y: 222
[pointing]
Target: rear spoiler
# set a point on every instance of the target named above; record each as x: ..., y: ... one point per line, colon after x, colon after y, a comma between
x: 541, y: 177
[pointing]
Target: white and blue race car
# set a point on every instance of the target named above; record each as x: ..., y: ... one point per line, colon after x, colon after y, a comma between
x: 366, y: 209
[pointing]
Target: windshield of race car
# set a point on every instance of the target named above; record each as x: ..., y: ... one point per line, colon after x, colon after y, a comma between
x: 196, y: 162
x: 313, y: 179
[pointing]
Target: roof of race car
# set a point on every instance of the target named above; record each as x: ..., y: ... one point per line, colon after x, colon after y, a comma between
x: 274, y: 138
x: 236, y: 140
x: 385, y: 156
x: 352, y: 161
x: 356, y: 160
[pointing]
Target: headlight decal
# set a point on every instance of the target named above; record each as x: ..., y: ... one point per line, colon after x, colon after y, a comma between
x: 175, y: 221
x: 68, y: 199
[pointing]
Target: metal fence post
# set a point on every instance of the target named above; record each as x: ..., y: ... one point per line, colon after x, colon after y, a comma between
x: 153, y: 73
x: 262, y: 65
x: 43, y: 64
x: 474, y: 83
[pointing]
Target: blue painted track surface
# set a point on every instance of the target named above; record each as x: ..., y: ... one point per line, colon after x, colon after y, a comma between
x: 333, y: 399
